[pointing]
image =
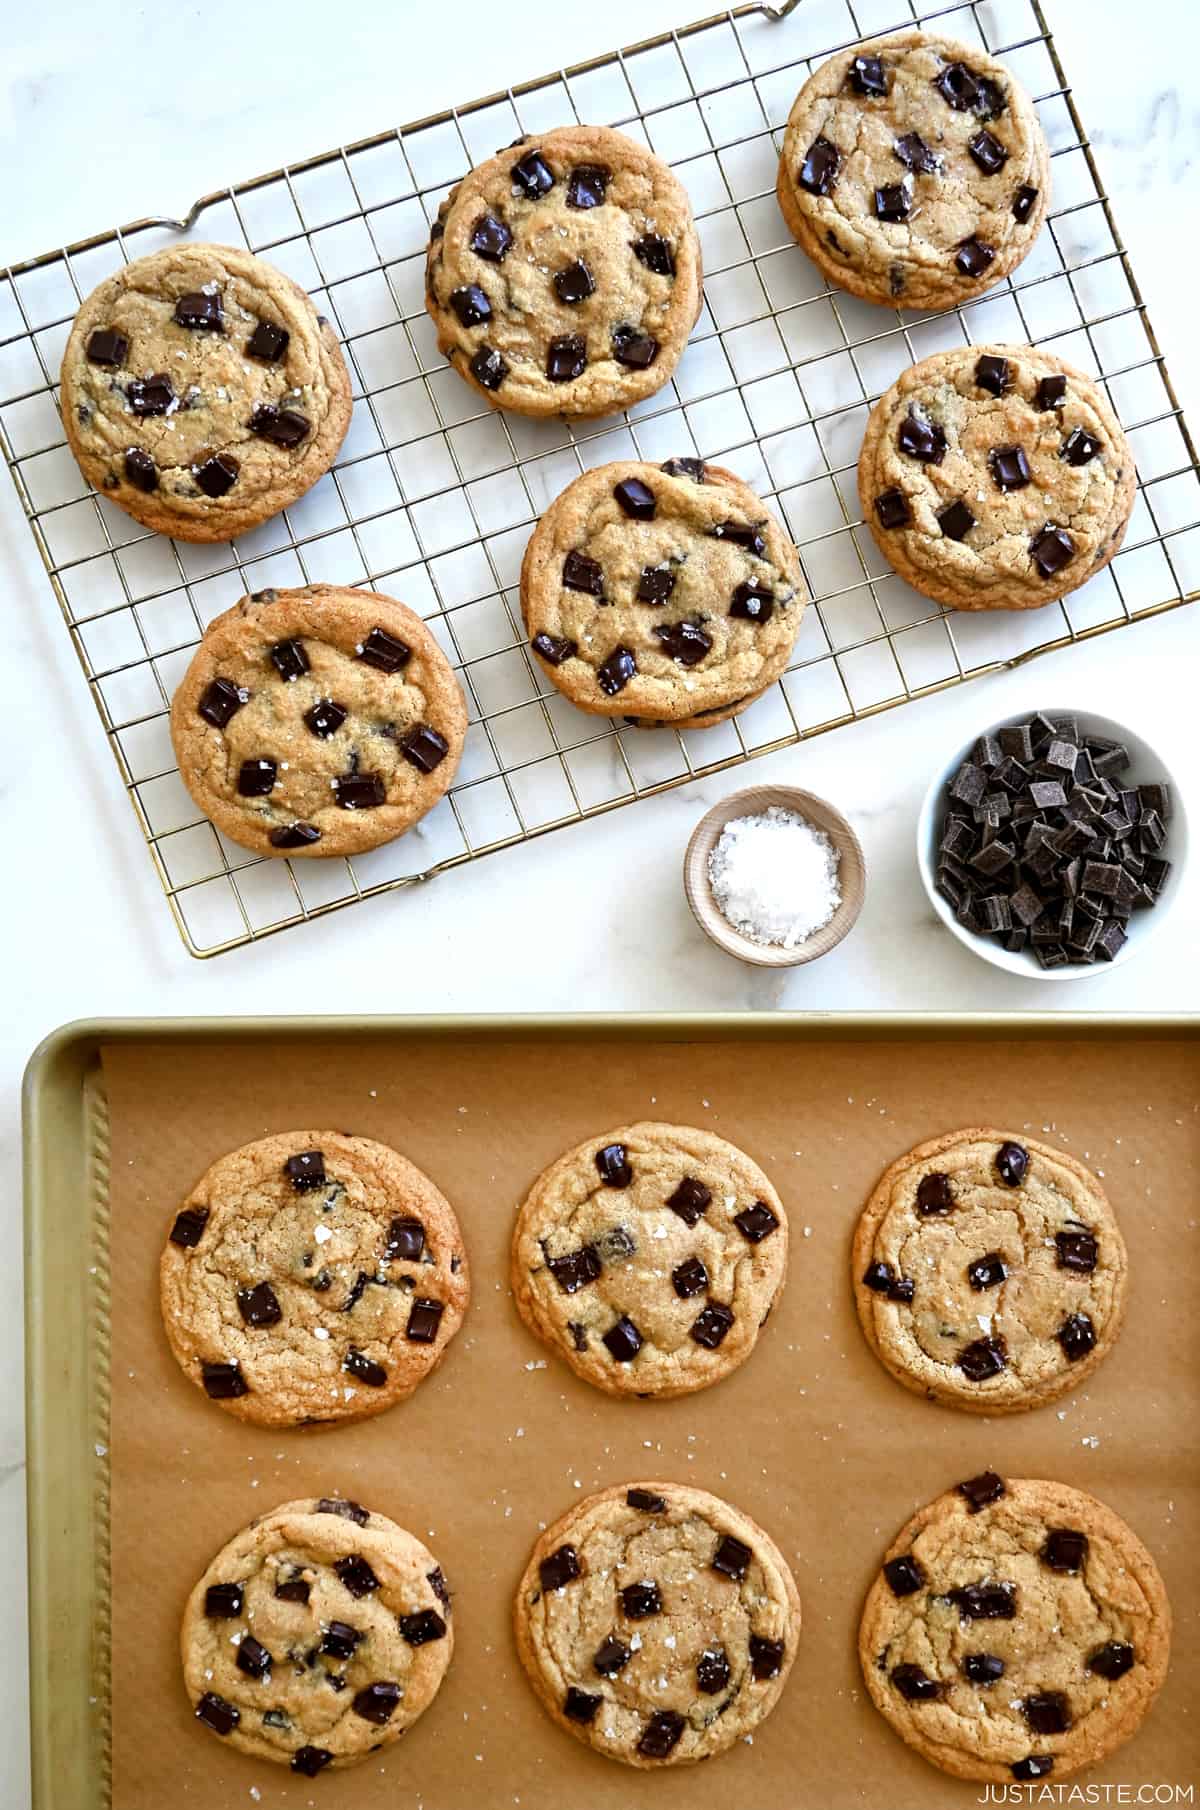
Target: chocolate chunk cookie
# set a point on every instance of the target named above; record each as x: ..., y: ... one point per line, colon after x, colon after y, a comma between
x: 666, y: 593
x: 989, y: 1272
x: 649, y: 1258
x: 914, y: 171
x: 995, y: 477
x: 320, y: 721
x: 317, y: 1636
x: 657, y: 1623
x: 312, y: 1277
x: 202, y: 392
x: 563, y: 275
x: 1018, y: 1630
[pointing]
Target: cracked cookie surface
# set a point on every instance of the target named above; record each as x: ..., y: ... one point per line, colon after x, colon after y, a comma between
x: 202, y: 392
x: 649, y: 1258
x: 657, y: 1624
x: 1018, y: 1630
x: 666, y: 593
x: 317, y: 1636
x: 914, y: 171
x: 995, y: 477
x: 312, y: 1277
x: 317, y: 722
x: 989, y: 1271
x: 563, y: 275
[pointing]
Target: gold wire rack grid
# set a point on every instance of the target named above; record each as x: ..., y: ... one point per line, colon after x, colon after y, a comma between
x: 434, y: 495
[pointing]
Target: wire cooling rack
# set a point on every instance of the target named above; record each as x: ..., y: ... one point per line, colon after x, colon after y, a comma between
x: 434, y: 495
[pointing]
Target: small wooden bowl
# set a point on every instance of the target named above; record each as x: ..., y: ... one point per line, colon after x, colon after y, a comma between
x: 852, y: 875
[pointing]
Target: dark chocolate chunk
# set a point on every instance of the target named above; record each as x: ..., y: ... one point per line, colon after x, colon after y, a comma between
x: 1051, y: 392
x: 982, y: 1358
x: 580, y: 573
x: 689, y: 1278
x: 612, y: 1166
x: 753, y: 601
x: 632, y: 348
x: 902, y: 1289
x: 490, y: 238
x: 424, y: 1319
x: 958, y: 87
x: 1012, y: 1164
x: 868, y: 76
x: 223, y: 1382
x: 1023, y: 202
x: 655, y: 584
x: 741, y: 534
x: 289, y: 659
x: 324, y: 718
x: 267, y: 343
x: 359, y: 791
x: 685, y: 642
x: 1051, y: 549
x: 879, y: 1277
x: 915, y: 1685
x: 252, y: 1658
x: 576, y: 1269
x: 378, y: 1702
x: 339, y: 1640
x: 1079, y: 447
x: 554, y: 649
x: 982, y: 1668
x: 615, y: 673
x: 712, y: 1671
x: 732, y: 1558
x: 916, y: 155
x: 987, y: 1272
x: 988, y: 152
x: 223, y: 1602
x: 661, y: 1734
x: 1009, y: 467
x: 819, y: 171
x: 216, y: 476
x: 611, y: 1655
x: 904, y: 1575
x: 956, y: 520
x: 151, y: 395
x: 921, y: 439
x: 1077, y: 1336
x: 587, y: 185
x: 532, y: 175
x: 106, y: 346
x: 574, y: 283
x: 623, y: 1340
x: 637, y: 500
x: 655, y: 253
x: 311, y: 1760
x: 756, y: 1222
x: 641, y: 1600
x: 385, y: 652
x: 419, y: 1629
x: 189, y: 1227
x: 643, y: 1499
x: 140, y: 469
x: 489, y: 367
x: 766, y: 1656
x: 201, y: 310
x: 891, y: 506
x: 423, y: 747
x: 281, y: 425
x: 471, y: 305
x: 691, y: 1200
x: 342, y: 1505
x: 358, y: 1364
x: 685, y: 468
x: 217, y: 1714
x: 559, y: 1568
x: 893, y: 202
x: 356, y: 1575
x: 1065, y: 1549
x: 1076, y: 1251
x: 993, y: 374
x: 979, y: 1491
x: 306, y: 1170
x: 1047, y: 1713
x: 1037, y: 1766
x: 985, y: 1602
x: 259, y: 1306
x: 934, y: 1195
x: 1112, y: 1660
x: 580, y: 1706
x: 439, y: 1586
x: 973, y: 257
x: 711, y: 1327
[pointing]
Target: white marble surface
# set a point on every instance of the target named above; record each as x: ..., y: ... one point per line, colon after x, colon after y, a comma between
x: 106, y: 115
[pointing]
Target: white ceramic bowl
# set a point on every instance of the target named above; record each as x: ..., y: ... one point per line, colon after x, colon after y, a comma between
x: 1145, y: 768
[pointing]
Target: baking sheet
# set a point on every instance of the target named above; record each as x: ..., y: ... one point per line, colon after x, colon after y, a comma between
x: 810, y: 1436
